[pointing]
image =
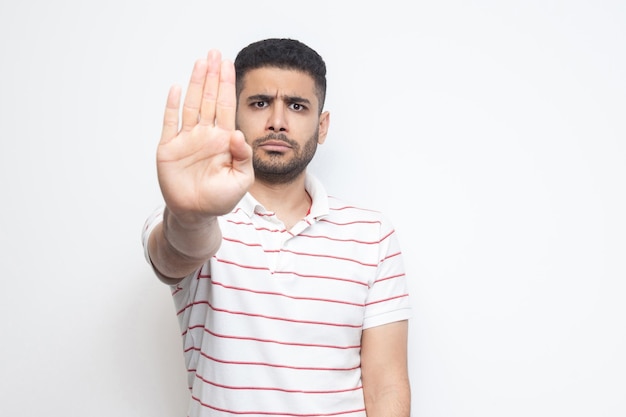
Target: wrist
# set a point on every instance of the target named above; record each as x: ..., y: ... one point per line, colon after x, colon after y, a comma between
x: 193, y: 239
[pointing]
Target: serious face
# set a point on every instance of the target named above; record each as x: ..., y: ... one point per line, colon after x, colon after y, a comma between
x: 277, y: 111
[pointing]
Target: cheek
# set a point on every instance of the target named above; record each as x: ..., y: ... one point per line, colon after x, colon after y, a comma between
x: 311, y: 128
x: 247, y: 125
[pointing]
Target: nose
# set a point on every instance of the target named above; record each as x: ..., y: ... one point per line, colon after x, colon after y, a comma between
x: 277, y: 121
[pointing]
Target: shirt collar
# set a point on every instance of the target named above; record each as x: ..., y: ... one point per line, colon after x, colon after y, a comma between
x: 319, y: 197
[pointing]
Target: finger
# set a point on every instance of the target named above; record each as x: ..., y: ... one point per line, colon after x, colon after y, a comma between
x: 211, y: 86
x: 226, y: 97
x: 170, y: 118
x: 191, y: 106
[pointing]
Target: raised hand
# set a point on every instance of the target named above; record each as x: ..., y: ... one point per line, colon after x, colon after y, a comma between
x: 204, y: 164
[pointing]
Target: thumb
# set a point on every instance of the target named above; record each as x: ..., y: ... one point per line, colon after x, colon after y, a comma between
x: 240, y: 151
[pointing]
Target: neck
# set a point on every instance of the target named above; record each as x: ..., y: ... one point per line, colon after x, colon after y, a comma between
x: 290, y: 202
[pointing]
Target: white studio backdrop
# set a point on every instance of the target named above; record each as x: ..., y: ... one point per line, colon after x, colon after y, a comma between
x: 492, y: 134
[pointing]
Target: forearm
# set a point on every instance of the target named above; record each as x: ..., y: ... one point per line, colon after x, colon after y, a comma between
x: 177, y: 250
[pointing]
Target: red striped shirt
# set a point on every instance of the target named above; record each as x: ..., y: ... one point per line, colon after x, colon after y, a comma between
x: 272, y: 324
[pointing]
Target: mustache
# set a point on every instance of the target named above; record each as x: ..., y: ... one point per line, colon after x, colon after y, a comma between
x: 275, y: 136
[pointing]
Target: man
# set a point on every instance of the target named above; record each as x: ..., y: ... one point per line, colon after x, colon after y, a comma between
x: 290, y: 302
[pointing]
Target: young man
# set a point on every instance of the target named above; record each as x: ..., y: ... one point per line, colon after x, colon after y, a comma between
x: 290, y: 302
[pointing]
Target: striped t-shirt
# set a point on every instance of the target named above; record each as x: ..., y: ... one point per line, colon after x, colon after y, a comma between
x: 271, y: 325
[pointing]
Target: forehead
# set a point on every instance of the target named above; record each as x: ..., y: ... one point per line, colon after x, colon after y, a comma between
x: 278, y: 81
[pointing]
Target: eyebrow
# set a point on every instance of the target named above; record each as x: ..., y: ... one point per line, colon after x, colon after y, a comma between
x: 287, y: 98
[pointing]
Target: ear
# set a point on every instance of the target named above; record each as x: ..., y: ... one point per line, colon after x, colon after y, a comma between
x: 323, y: 127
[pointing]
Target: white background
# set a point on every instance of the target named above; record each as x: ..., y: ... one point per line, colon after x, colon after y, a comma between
x: 492, y: 133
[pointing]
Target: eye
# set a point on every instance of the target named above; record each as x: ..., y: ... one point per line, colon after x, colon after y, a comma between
x: 259, y: 104
x: 297, y: 107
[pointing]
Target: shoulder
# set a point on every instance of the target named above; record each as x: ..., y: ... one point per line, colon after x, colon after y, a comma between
x: 340, y: 208
x: 353, y: 218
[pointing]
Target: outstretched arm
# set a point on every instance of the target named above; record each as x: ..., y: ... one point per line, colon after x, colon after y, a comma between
x: 204, y: 167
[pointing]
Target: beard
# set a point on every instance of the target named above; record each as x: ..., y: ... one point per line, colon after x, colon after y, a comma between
x: 274, y: 168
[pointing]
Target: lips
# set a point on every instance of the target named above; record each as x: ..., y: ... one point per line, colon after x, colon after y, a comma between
x: 273, y: 145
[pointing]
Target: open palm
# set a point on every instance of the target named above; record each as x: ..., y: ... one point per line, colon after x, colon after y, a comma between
x: 204, y: 164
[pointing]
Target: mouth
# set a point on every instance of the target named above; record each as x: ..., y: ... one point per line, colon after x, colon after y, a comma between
x: 274, y: 145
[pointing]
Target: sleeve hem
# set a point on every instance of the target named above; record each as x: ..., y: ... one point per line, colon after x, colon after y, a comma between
x: 385, y: 318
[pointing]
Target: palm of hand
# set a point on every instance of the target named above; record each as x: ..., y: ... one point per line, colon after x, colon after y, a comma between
x: 205, y: 167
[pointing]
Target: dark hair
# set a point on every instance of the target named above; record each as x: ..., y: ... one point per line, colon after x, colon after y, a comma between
x: 285, y: 54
